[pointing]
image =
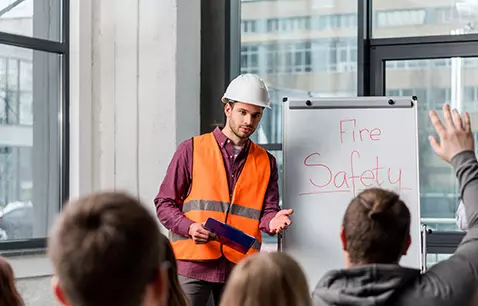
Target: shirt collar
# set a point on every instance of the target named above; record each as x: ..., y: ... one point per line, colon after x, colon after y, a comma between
x: 222, y: 139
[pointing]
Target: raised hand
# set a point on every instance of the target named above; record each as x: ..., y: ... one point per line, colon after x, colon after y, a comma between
x: 455, y: 136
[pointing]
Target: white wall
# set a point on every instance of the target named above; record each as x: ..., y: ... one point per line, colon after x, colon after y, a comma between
x: 134, y: 96
x: 144, y: 95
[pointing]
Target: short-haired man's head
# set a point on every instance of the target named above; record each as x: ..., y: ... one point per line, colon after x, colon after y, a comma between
x: 376, y: 227
x: 105, y: 250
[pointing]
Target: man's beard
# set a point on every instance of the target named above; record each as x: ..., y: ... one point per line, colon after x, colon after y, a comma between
x: 240, y: 134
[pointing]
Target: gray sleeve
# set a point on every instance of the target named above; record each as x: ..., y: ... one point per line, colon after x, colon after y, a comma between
x: 466, y: 168
x: 454, y: 280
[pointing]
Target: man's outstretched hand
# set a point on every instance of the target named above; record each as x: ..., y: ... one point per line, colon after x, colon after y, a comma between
x: 455, y: 137
x: 281, y: 221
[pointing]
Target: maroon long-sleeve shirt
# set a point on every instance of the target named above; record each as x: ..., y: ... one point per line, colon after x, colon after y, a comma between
x: 176, y: 187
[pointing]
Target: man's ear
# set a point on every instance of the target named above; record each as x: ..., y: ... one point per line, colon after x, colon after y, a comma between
x: 55, y: 284
x: 342, y: 238
x: 407, y: 245
x: 227, y: 107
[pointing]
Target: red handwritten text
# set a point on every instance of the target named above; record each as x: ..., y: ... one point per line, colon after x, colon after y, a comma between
x: 348, y: 129
x: 325, y: 180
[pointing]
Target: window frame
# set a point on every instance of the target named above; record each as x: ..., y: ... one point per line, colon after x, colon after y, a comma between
x: 62, y: 49
x: 371, y: 54
x: 413, y: 48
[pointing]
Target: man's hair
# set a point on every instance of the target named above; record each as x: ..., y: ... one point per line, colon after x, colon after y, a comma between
x: 376, y: 226
x: 105, y: 250
x: 9, y: 294
x: 176, y: 296
x: 232, y: 103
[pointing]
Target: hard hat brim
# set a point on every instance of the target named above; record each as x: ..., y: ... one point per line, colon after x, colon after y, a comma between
x: 224, y: 101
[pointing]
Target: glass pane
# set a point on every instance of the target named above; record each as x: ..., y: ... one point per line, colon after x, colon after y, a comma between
x: 433, y: 259
x: 300, y: 48
x: 436, y: 82
x: 269, y: 243
x: 39, y: 18
x: 29, y: 107
x: 423, y: 18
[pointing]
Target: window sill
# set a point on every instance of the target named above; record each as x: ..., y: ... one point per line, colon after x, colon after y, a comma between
x: 29, y: 263
x: 25, y: 252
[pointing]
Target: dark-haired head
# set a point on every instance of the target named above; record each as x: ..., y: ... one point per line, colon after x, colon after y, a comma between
x: 8, y: 292
x: 176, y: 296
x: 105, y: 250
x: 376, y: 228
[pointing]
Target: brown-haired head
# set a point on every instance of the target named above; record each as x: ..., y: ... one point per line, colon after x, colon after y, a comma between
x: 105, y: 250
x: 8, y: 291
x: 376, y: 228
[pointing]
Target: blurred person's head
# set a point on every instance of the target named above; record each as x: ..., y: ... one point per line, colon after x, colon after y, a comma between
x: 376, y: 228
x: 176, y: 295
x: 106, y: 250
x: 8, y: 291
x: 267, y: 279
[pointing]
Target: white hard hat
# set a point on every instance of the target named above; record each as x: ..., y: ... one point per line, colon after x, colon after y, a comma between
x: 248, y: 88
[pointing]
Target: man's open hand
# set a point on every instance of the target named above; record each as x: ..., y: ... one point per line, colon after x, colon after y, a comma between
x: 455, y: 136
x: 281, y: 221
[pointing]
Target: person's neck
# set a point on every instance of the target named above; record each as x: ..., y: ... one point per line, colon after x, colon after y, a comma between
x: 349, y: 264
x: 237, y: 141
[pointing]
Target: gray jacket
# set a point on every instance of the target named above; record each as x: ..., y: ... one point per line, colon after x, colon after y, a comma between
x: 450, y: 282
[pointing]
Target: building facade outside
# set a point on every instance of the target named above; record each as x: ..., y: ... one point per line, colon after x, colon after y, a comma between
x: 308, y: 48
x: 30, y: 95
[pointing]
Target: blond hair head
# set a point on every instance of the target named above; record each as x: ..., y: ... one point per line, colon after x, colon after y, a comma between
x: 267, y: 279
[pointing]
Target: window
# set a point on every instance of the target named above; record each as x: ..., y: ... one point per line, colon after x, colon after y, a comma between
x: 249, y: 59
x: 20, y: 17
x: 310, y: 49
x: 427, y: 17
x: 435, y: 83
x: 296, y: 60
x: 400, y: 18
x: 434, y: 258
x: 249, y: 26
x: 289, y: 57
x: 33, y: 118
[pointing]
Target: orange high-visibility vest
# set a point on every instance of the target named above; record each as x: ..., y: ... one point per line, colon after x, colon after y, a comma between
x: 209, y: 197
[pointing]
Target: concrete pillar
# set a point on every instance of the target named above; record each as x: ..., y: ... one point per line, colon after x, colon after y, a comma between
x: 140, y: 86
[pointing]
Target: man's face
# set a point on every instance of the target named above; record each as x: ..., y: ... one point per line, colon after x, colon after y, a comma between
x: 243, y: 118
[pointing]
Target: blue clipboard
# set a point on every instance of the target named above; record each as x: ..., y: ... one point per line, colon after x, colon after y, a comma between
x: 230, y: 236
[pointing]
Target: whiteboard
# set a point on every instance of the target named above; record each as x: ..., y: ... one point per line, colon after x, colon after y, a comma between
x: 333, y: 149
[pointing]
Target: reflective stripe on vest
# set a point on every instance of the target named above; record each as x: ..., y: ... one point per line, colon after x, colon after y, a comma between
x: 175, y: 237
x: 209, y: 197
x: 238, y: 210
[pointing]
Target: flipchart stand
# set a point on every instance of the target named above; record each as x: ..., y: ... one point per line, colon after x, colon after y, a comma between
x: 279, y: 242
x: 425, y: 231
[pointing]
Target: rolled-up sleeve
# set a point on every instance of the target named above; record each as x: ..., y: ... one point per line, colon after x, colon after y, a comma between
x: 271, y: 200
x: 173, y: 190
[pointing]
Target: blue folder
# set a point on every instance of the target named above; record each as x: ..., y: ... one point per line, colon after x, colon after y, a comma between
x: 230, y: 236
